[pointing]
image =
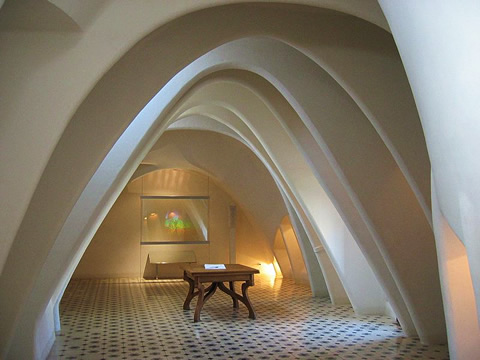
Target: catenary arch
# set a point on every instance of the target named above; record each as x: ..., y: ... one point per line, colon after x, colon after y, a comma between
x: 257, y: 50
x: 69, y: 232
x: 242, y: 175
x: 248, y: 113
x: 316, y: 279
x: 214, y: 122
x: 238, y: 124
x: 421, y: 230
x: 95, y: 107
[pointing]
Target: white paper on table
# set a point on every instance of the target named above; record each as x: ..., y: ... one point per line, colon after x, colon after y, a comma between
x: 215, y: 266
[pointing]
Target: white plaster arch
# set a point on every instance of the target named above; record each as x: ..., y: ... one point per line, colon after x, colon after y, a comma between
x: 52, y: 61
x: 241, y: 124
x: 294, y: 173
x: 224, y: 115
x: 96, y: 182
x: 440, y: 48
x: 371, y: 228
x: 257, y: 201
x: 193, y: 66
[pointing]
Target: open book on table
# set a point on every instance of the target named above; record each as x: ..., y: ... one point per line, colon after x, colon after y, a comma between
x: 215, y: 266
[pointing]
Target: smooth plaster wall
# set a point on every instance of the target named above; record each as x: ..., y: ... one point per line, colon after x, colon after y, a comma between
x: 457, y: 289
x: 253, y: 247
x: 294, y: 253
x: 280, y: 252
x: 438, y: 43
x: 115, y: 249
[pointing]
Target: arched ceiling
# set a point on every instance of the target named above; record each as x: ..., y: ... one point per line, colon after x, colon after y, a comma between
x: 231, y: 165
x: 220, y: 103
x: 58, y: 15
x: 332, y: 71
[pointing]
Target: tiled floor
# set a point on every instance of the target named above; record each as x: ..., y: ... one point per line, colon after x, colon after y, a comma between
x: 133, y: 319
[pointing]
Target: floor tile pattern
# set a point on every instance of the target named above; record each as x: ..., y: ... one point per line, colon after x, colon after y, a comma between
x: 136, y: 319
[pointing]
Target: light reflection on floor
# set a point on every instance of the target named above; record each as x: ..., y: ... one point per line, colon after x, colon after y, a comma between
x: 134, y: 319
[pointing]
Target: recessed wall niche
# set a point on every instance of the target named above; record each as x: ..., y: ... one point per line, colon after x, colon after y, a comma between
x: 174, y: 219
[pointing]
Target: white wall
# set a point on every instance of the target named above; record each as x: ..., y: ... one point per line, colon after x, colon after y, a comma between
x: 115, y: 249
x: 458, y: 294
x: 438, y: 42
x: 253, y: 247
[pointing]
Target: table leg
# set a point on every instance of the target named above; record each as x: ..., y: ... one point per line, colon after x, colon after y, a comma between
x: 190, y: 295
x: 247, y: 302
x: 244, y: 299
x: 235, y: 301
x: 210, y: 291
x: 200, y: 301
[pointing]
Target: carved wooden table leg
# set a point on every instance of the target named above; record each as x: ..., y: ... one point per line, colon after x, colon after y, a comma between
x: 247, y: 302
x: 244, y: 299
x: 191, y: 294
x: 200, y: 301
x: 210, y: 291
x: 235, y: 301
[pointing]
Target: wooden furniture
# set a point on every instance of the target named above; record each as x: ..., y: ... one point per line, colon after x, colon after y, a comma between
x: 197, y: 275
x: 170, y: 257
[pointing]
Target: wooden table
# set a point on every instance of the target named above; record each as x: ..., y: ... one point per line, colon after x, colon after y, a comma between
x: 197, y: 275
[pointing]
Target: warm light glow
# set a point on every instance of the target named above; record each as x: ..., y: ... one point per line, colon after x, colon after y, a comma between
x: 268, y: 269
x: 276, y: 266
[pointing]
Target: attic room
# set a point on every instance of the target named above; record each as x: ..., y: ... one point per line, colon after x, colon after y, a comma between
x: 328, y: 147
x: 235, y: 228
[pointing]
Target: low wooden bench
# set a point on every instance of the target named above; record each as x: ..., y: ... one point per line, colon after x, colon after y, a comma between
x: 171, y: 257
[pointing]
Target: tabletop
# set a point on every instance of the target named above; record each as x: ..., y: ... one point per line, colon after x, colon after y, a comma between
x: 199, y: 269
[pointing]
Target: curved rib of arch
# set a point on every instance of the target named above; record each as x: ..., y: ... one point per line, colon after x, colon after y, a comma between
x: 137, y: 140
x: 287, y: 20
x: 263, y: 205
x: 371, y: 250
x: 303, y: 227
x: 257, y: 57
x: 106, y: 191
x: 315, y: 274
x: 418, y: 224
x: 305, y: 192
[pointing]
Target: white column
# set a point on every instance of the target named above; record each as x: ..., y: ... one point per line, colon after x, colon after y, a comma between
x: 439, y: 42
x: 457, y: 291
